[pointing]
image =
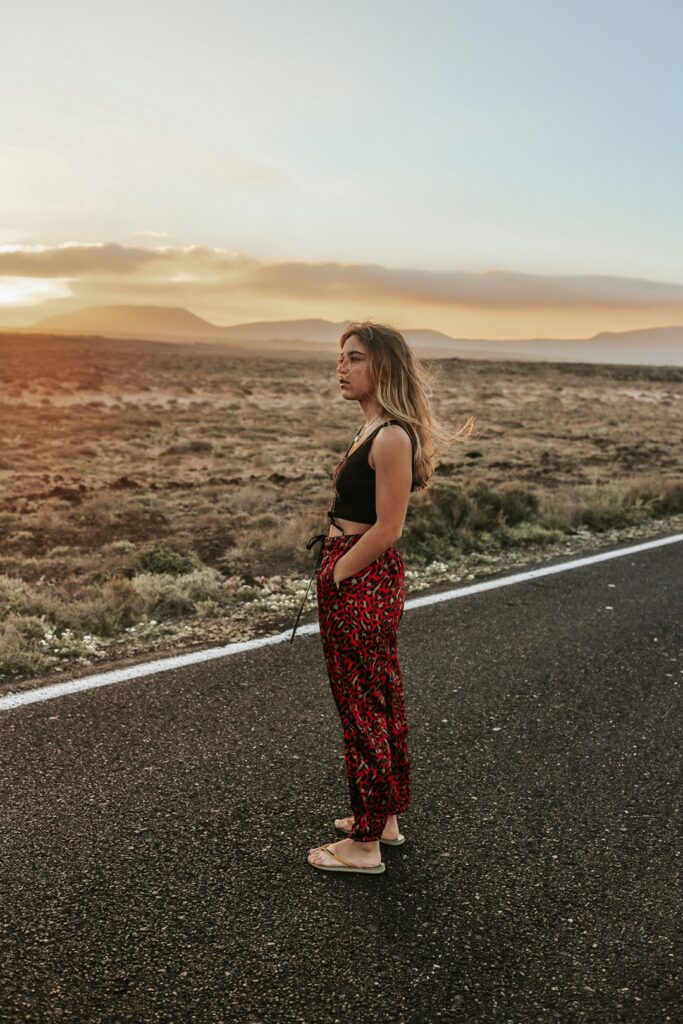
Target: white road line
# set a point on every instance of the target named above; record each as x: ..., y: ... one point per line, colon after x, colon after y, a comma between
x: 149, y: 668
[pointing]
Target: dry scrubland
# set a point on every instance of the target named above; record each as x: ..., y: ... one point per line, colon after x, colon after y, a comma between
x: 158, y: 497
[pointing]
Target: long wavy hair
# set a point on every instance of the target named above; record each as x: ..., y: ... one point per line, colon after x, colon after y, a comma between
x: 403, y: 389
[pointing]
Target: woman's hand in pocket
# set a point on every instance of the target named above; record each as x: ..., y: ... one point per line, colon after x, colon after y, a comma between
x: 327, y: 577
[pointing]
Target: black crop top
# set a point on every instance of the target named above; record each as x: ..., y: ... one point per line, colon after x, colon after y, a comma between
x: 354, y: 480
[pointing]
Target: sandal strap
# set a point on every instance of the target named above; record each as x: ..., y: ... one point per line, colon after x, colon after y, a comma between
x: 337, y: 857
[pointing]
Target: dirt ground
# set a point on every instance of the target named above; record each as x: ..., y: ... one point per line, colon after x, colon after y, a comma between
x: 107, y: 441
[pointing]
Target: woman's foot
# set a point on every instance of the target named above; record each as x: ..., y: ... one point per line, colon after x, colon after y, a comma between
x: 390, y: 829
x: 363, y: 855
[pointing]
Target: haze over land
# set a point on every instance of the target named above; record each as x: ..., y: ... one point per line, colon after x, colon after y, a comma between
x: 167, y: 287
x: 661, y: 346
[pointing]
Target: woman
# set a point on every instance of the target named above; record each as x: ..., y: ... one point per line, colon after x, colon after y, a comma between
x: 360, y: 585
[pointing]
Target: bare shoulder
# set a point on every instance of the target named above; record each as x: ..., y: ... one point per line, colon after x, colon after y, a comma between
x: 395, y: 431
x: 391, y: 442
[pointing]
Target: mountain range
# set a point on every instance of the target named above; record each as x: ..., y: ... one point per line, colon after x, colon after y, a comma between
x: 655, y: 346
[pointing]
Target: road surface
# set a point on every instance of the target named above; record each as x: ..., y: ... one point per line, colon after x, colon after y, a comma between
x: 154, y: 832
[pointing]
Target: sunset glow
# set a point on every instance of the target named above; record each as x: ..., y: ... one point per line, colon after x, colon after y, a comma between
x: 486, y: 171
x: 27, y: 291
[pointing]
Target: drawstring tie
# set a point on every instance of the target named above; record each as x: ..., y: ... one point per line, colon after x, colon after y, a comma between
x: 319, y: 538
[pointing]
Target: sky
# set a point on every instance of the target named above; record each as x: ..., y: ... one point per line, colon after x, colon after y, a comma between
x: 484, y: 168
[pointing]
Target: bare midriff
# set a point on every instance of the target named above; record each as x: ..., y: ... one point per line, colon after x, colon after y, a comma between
x: 348, y: 527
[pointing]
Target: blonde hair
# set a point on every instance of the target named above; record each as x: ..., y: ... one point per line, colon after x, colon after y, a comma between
x: 403, y: 389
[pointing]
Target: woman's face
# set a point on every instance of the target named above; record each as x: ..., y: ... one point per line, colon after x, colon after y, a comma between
x: 353, y: 369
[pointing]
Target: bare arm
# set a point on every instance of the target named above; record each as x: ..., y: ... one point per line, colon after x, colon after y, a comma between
x: 393, y: 456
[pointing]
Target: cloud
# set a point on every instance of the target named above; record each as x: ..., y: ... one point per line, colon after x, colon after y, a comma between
x: 153, y: 234
x: 205, y: 272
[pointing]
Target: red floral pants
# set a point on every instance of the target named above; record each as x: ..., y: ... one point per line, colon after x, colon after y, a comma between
x: 359, y: 631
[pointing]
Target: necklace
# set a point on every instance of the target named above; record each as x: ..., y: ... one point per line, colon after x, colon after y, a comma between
x: 335, y: 475
x: 364, y: 427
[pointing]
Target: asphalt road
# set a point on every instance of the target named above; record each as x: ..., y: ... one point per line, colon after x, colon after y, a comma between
x: 154, y: 832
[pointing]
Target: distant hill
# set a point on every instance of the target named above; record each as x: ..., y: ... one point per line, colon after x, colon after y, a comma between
x: 650, y: 346
x: 172, y: 323
x: 655, y: 346
x: 130, y: 321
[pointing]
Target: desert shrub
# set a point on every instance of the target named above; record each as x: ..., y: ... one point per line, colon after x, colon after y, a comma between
x: 208, y: 609
x: 20, y: 654
x: 109, y: 609
x: 252, y: 498
x: 601, y: 506
x: 532, y: 535
x: 455, y: 518
x: 212, y: 534
x: 196, y: 446
x: 658, y: 496
x: 162, y: 557
x: 670, y: 499
x: 165, y: 594
x: 18, y: 596
x: 120, y: 547
x: 518, y: 505
x: 604, y: 506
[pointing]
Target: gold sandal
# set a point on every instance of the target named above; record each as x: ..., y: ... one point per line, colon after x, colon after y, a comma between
x: 377, y: 870
x: 388, y: 842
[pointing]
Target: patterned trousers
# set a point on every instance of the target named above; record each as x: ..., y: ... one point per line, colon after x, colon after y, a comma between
x: 359, y: 632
